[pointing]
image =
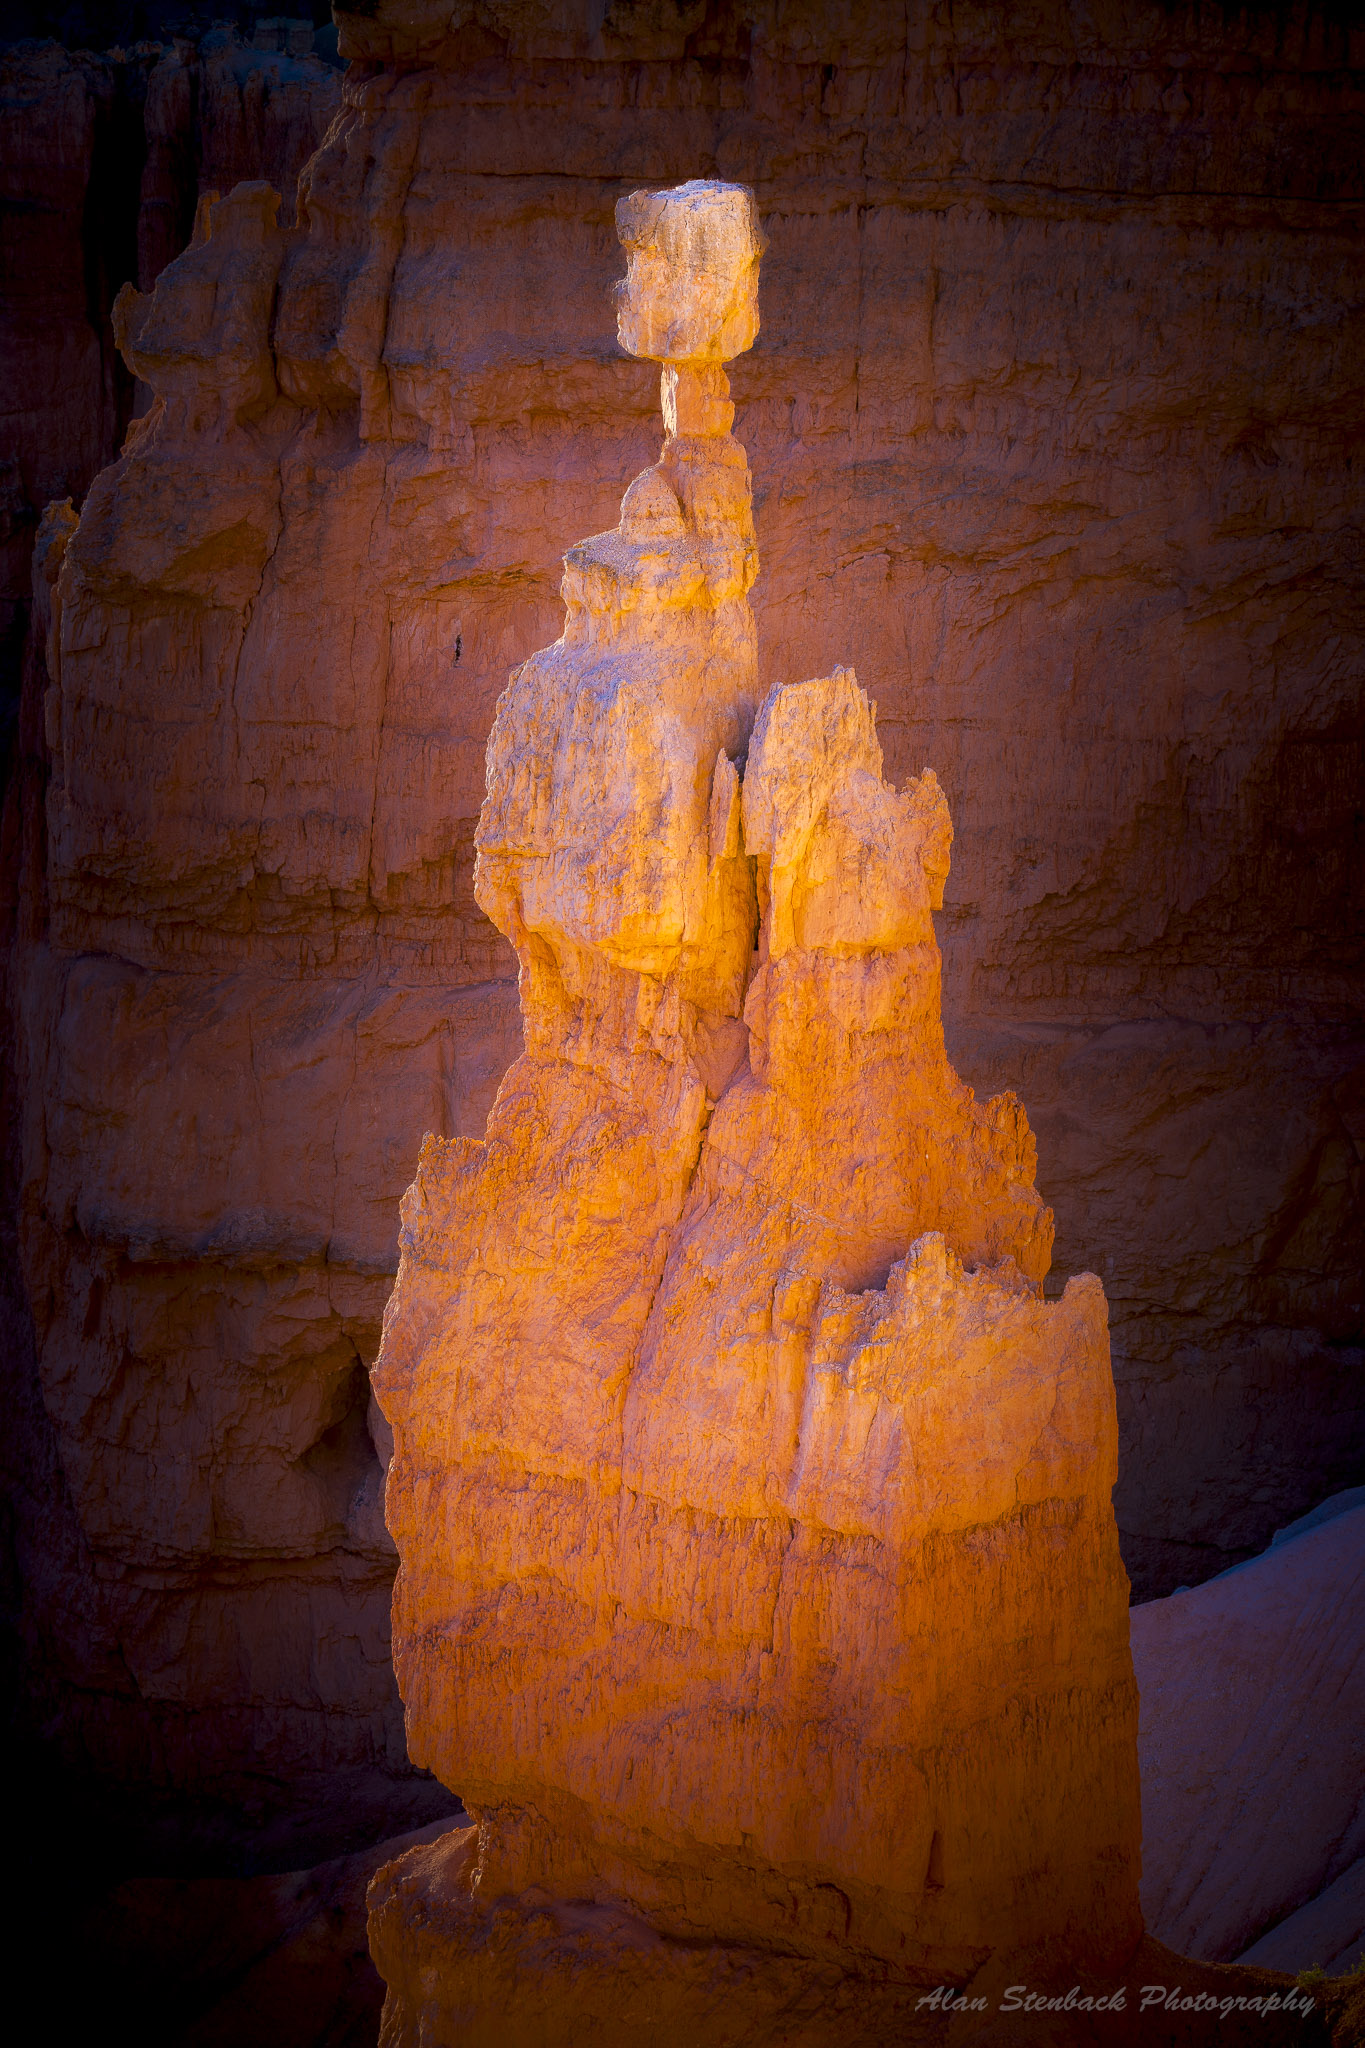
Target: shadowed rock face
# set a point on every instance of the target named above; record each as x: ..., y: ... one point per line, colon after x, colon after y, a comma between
x: 1221, y: 1749
x: 758, y: 1573
x: 102, y: 159
x: 1047, y: 412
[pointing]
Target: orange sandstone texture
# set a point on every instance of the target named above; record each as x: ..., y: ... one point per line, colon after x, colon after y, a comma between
x: 1047, y: 411
x: 758, y: 1575
x: 212, y: 1128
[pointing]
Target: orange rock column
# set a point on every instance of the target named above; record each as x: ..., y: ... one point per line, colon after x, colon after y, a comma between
x: 760, y: 1591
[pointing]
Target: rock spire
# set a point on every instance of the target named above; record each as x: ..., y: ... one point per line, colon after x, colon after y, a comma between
x: 759, y: 1587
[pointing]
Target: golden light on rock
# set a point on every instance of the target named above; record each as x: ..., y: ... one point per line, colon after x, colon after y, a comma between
x: 759, y: 1584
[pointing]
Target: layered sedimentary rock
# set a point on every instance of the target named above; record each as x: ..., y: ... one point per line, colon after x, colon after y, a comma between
x: 758, y: 1575
x: 212, y: 1267
x: 1047, y: 410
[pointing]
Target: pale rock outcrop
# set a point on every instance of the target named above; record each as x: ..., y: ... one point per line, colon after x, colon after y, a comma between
x: 759, y: 1587
x: 1253, y: 1751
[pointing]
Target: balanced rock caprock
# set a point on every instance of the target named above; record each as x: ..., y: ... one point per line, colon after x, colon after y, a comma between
x: 759, y: 1590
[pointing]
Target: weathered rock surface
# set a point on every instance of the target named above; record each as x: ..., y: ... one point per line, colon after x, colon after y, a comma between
x: 758, y: 1574
x: 1253, y: 1748
x: 1058, y: 346
x: 213, y: 1296
x: 102, y: 160
x: 633, y: 1989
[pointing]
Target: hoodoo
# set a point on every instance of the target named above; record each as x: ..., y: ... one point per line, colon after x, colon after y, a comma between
x: 759, y: 1590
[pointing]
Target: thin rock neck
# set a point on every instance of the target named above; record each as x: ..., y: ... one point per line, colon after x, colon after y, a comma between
x: 696, y: 401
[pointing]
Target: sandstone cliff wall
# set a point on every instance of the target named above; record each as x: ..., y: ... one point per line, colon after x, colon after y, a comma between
x: 1060, y: 342
x: 102, y: 159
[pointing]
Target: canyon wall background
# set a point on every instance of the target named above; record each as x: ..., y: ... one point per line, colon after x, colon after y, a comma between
x: 1051, y: 423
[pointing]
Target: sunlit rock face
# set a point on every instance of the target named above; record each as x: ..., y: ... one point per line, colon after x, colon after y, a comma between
x: 1046, y: 415
x: 758, y: 1575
